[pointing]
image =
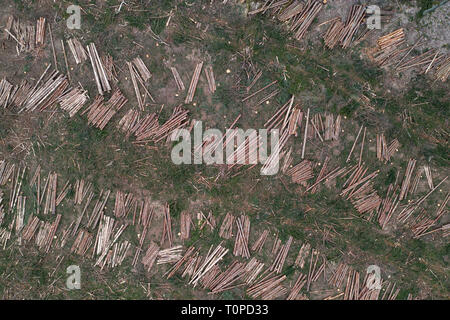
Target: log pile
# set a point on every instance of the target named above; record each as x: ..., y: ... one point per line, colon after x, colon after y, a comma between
x: 20, y: 93
x: 142, y: 69
x: 301, y: 172
x: 28, y: 37
x: 286, y: 118
x: 315, y: 271
x: 423, y: 223
x: 298, y: 285
x: 170, y: 255
x: 5, y: 235
x: 185, y: 225
x: 207, y: 264
x: 359, y: 190
x: 407, y: 179
x: 391, y: 39
x: 45, y: 95
x: 227, y: 279
x: 426, y: 60
x: 302, y: 21
x: 427, y: 170
x: 148, y: 260
x: 268, y: 287
x: 443, y: 70
x: 40, y: 32
x: 259, y: 243
x: 343, y: 33
x: 148, y: 129
x: 272, y: 163
x: 100, y: 113
x: 178, y: 80
x: 100, y: 75
x: 194, y: 82
x: 226, y: 229
x: 385, y: 151
x: 242, y: 235
x: 408, y: 210
x: 167, y: 227
x: 389, y: 48
x: 78, y: 51
x: 210, y: 78
x: 73, y: 100
x: 388, y: 206
x: 5, y: 92
x: 110, y: 68
x: 252, y: 269
x: 278, y: 263
x: 302, y: 255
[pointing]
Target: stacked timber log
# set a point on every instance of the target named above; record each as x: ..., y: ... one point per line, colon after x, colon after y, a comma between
x: 40, y: 32
x: 385, y: 151
x: 259, y: 243
x: 391, y: 39
x: 5, y: 92
x: 100, y: 113
x: 331, y: 37
x: 271, y: 165
x: 28, y: 37
x: 110, y: 68
x: 150, y: 256
x: 443, y: 70
x: 252, y: 270
x: 388, y: 206
x: 408, y: 210
x: 186, y: 257
x: 194, y: 82
x: 78, y: 51
x: 268, y: 287
x: 390, y: 46
x: 128, y: 122
x: 301, y: 172
x: 359, y: 190
x: 210, y: 78
x: 227, y: 279
x: 5, y: 235
x: 302, y: 21
x: 178, y: 80
x: 73, y: 100
x: 427, y: 170
x: 315, y: 270
x: 170, y: 255
x: 208, y: 263
x: 45, y: 95
x: 142, y: 69
x: 148, y: 129
x: 226, y: 229
x: 426, y: 60
x: 302, y: 255
x: 407, y: 179
x: 185, y: 225
x: 20, y: 93
x: 242, y: 235
x: 100, y: 75
x: 278, y: 263
x: 287, y: 117
x: 423, y: 223
x: 298, y: 285
x: 344, y: 33
x: 167, y: 227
